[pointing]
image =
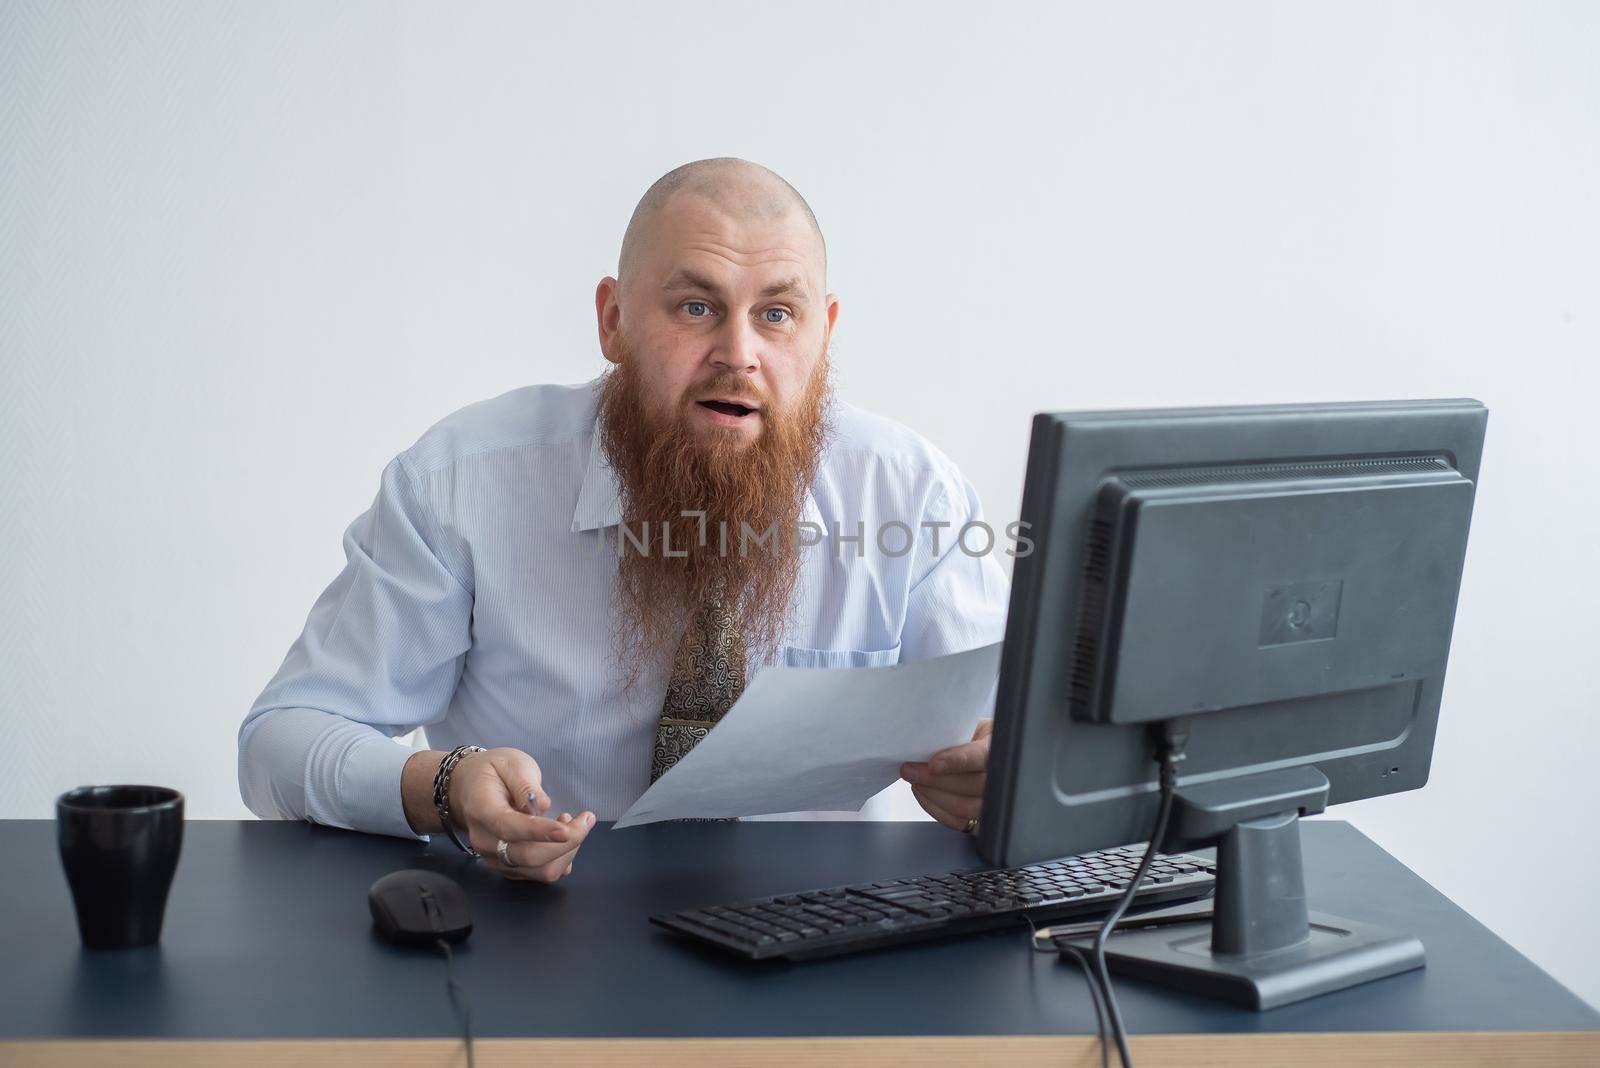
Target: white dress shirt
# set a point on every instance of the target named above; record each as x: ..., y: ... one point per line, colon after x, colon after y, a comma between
x: 477, y: 601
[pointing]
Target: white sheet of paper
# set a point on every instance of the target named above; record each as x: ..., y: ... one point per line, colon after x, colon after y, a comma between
x: 821, y: 739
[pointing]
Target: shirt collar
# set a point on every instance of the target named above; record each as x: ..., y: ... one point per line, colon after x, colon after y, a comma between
x: 600, y: 498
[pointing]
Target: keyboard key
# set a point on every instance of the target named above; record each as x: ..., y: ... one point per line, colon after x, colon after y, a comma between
x: 733, y: 930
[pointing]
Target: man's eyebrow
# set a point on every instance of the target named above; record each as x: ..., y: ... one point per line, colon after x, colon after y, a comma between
x: 685, y: 278
x: 792, y: 287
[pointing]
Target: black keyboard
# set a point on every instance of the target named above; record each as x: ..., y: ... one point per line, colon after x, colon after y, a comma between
x: 845, y: 919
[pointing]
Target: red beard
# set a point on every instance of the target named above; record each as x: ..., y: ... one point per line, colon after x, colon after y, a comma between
x: 664, y: 468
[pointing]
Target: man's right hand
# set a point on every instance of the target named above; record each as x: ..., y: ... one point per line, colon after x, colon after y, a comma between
x: 489, y: 799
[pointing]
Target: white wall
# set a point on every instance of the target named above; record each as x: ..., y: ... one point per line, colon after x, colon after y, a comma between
x: 249, y: 253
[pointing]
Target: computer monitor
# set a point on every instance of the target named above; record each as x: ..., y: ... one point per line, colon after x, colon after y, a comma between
x: 1279, y: 584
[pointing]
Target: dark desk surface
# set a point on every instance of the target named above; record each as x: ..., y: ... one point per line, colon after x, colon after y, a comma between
x: 268, y: 936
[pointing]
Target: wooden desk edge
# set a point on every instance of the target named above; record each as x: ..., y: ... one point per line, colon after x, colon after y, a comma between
x: 1456, y: 1049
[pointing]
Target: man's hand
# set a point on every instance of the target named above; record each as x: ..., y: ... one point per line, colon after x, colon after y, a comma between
x: 949, y: 784
x: 490, y: 796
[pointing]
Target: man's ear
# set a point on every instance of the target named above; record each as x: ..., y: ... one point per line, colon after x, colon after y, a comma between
x: 832, y: 301
x: 608, y: 315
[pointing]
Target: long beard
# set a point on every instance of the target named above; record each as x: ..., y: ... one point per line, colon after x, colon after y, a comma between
x: 664, y: 469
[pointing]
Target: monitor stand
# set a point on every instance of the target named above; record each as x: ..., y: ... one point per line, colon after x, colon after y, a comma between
x: 1261, y: 948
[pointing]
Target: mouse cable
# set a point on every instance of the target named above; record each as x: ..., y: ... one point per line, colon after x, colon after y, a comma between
x: 458, y: 996
x: 1089, y: 977
x: 1170, y: 737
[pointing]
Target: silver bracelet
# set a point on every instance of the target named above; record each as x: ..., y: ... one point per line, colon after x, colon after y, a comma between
x: 441, y: 792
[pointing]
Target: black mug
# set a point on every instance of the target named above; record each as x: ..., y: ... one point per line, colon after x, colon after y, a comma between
x: 119, y: 846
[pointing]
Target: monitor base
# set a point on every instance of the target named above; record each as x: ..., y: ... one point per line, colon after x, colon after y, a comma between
x: 1338, y: 953
x: 1262, y: 947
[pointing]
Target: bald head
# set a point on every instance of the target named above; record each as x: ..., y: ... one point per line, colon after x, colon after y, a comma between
x: 745, y: 191
x: 721, y: 286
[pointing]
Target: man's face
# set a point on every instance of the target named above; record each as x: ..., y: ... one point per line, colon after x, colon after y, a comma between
x: 725, y: 319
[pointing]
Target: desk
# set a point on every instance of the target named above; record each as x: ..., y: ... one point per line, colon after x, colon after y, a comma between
x: 269, y: 954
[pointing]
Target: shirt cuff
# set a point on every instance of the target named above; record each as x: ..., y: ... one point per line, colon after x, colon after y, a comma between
x: 353, y: 781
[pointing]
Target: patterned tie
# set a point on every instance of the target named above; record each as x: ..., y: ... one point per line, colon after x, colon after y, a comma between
x: 707, y: 678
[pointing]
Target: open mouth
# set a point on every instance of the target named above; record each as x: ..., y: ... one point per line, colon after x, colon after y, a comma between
x: 727, y: 408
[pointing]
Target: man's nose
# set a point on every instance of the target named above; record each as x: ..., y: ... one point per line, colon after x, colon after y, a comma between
x: 739, y: 349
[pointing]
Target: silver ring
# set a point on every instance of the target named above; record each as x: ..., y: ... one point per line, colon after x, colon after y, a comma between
x: 972, y: 826
x: 501, y: 850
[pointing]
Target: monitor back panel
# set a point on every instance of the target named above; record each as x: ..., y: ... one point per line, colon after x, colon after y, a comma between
x: 1312, y: 632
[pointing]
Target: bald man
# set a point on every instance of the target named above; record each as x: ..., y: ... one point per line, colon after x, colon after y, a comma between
x: 569, y: 585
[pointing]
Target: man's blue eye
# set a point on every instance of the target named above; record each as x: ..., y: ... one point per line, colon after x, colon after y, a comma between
x: 779, y: 311
x: 693, y: 304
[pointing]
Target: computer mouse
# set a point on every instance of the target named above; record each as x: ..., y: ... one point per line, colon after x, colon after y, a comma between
x: 416, y: 908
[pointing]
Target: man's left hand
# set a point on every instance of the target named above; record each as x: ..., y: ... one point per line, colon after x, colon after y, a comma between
x: 949, y: 784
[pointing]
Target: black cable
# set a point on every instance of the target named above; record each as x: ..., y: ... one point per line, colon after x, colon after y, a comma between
x: 1095, y: 995
x: 1089, y: 977
x: 1171, y: 738
x: 458, y: 996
